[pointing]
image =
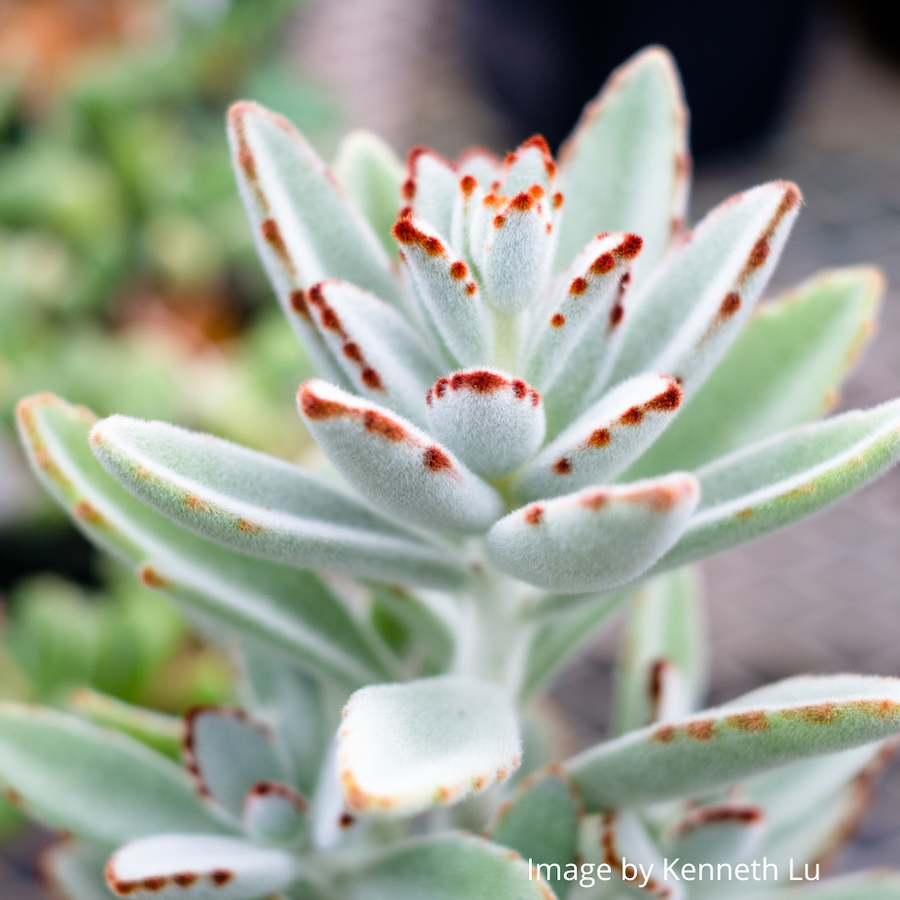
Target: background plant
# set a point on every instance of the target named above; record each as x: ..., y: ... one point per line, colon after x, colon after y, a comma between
x: 620, y: 341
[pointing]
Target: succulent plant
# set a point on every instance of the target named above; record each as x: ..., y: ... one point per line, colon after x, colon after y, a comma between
x: 541, y: 390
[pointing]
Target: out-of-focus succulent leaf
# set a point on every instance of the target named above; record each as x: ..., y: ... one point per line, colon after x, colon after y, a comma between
x: 595, y: 539
x: 791, y: 720
x: 227, y: 753
x: 404, y: 748
x: 97, y: 784
x: 626, y: 166
x: 215, y: 867
x: 291, y: 703
x: 74, y: 870
x: 257, y: 504
x: 396, y: 466
x: 159, y: 732
x: 553, y: 642
x: 718, y: 833
x: 274, y: 813
x: 635, y: 860
x: 787, y: 477
x: 783, y: 369
x: 449, y: 300
x: 371, y: 174
x: 664, y: 626
x: 284, y: 607
x: 540, y: 822
x: 687, y: 314
x: 878, y: 884
x: 444, y: 867
x: 493, y: 421
x: 604, y: 439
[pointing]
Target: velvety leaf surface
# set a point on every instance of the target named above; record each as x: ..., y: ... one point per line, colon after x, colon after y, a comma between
x: 491, y: 420
x: 274, y: 813
x: 382, y: 356
x: 227, y: 753
x: 450, y: 300
x: 283, y: 607
x: 596, y: 539
x: 254, y: 503
x: 394, y: 465
x: 635, y: 859
x: 626, y: 166
x: 445, y: 867
x: 97, y: 784
x: 783, y: 369
x: 786, y: 478
x: 305, y: 229
x: 371, y: 174
x: 517, y: 252
x: 430, y: 189
x: 403, y: 748
x: 794, y: 719
x: 602, y: 441
x: 540, y: 822
x: 664, y: 626
x: 575, y: 332
x: 694, y: 305
x: 198, y: 867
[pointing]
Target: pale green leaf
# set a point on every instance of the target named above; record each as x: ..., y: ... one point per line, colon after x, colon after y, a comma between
x: 552, y: 643
x: 305, y: 229
x: 695, y: 303
x: 784, y: 369
x: 274, y: 813
x: 596, y: 539
x: 637, y: 865
x: 281, y: 606
x: 445, y: 867
x: 626, y: 166
x: 604, y: 439
x: 430, y: 189
x: 227, y: 753
x: 404, y: 748
x: 725, y: 832
x: 540, y: 822
x: 449, y: 300
x: 397, y: 467
x: 97, y: 784
x: 257, y: 504
x: 493, y: 421
x: 786, y: 478
x: 381, y: 355
x: 749, y: 735
x: 160, y: 732
x: 664, y: 624
x: 879, y: 884
x: 291, y: 703
x: 220, y: 868
x: 371, y: 174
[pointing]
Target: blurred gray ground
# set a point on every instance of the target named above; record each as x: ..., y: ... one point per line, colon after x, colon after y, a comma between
x: 823, y: 596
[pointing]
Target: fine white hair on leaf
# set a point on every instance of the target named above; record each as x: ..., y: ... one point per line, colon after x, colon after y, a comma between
x: 396, y: 466
x: 493, y: 421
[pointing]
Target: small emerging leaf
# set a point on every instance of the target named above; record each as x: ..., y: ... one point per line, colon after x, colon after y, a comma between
x: 74, y: 870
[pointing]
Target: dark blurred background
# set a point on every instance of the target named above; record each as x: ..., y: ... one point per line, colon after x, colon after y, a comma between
x: 123, y: 250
